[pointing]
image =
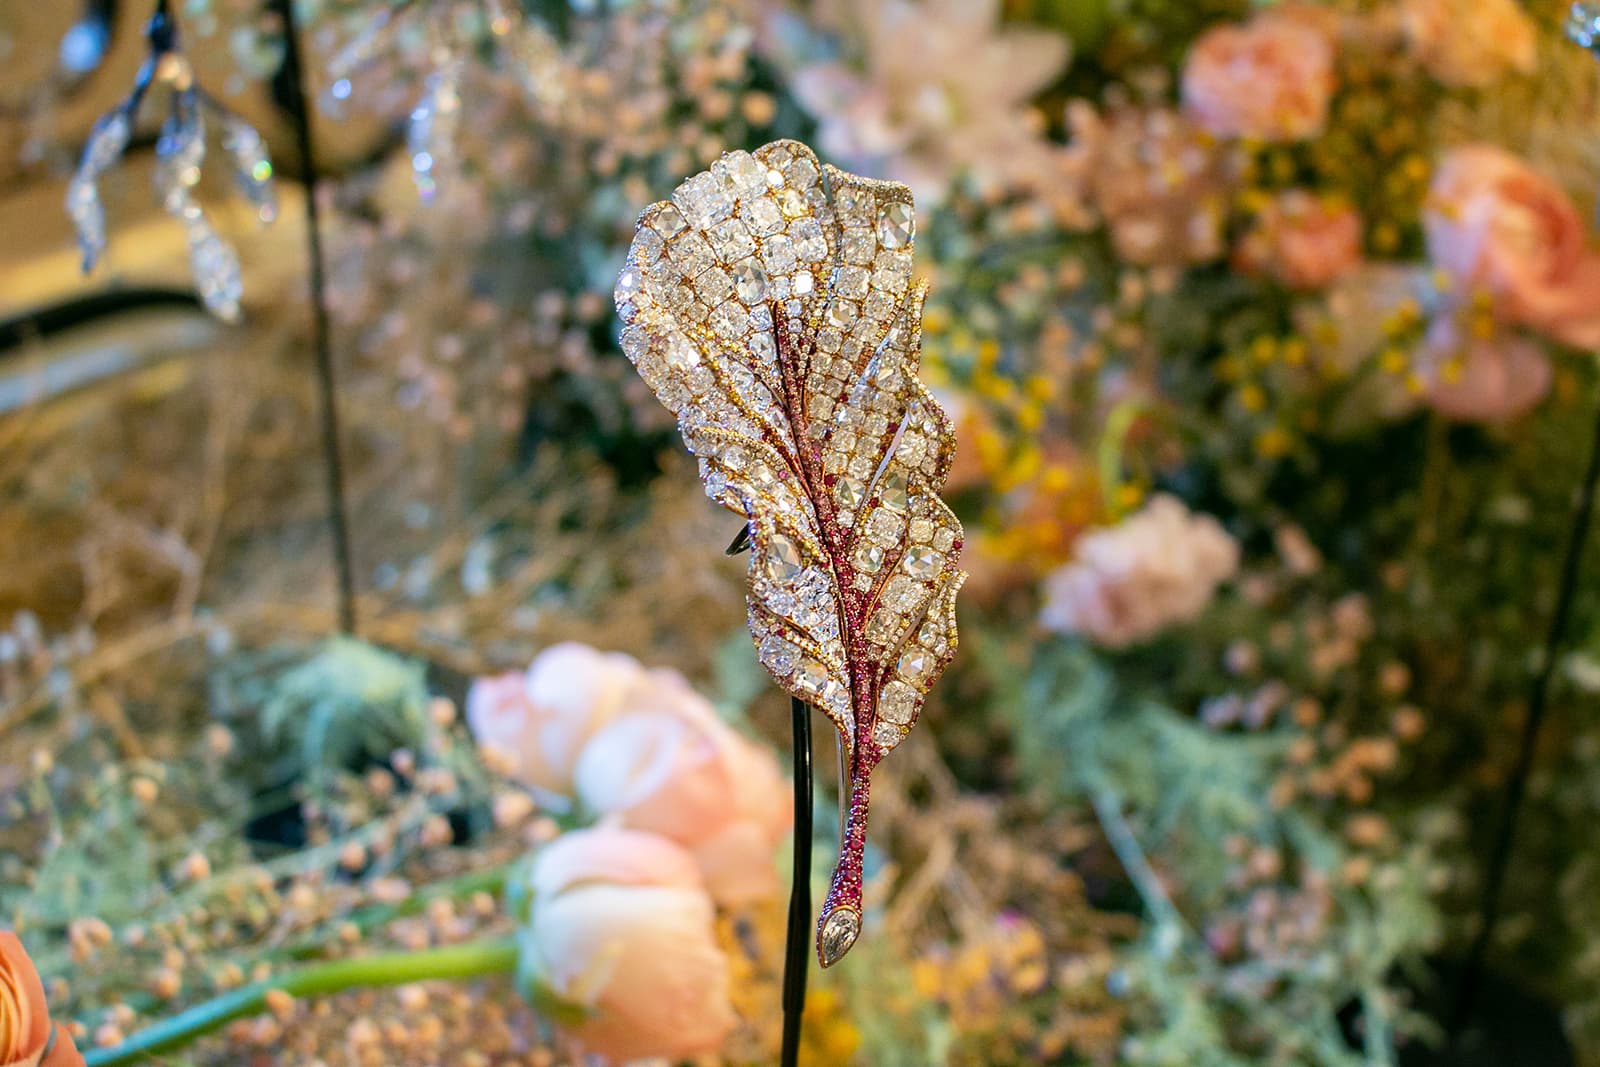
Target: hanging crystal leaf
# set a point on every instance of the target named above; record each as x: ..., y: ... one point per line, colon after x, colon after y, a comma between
x: 180, y: 150
x: 431, y: 133
x: 105, y: 146
x: 215, y: 266
x: 1583, y: 24
x: 252, y: 167
x: 180, y: 154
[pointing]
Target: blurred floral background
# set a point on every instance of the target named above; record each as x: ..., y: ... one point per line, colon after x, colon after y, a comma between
x: 1267, y: 330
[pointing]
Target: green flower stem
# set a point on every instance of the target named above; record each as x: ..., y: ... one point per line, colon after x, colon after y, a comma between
x: 471, y: 960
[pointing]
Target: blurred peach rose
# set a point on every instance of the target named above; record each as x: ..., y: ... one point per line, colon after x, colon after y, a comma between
x: 1303, y: 241
x: 1499, y: 226
x: 971, y: 422
x: 1269, y: 78
x: 672, y: 767
x: 542, y: 718
x: 1482, y: 379
x: 1469, y: 43
x: 1158, y: 567
x: 621, y: 929
x: 27, y: 1036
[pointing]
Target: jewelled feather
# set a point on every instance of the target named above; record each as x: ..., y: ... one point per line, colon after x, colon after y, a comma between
x: 770, y: 305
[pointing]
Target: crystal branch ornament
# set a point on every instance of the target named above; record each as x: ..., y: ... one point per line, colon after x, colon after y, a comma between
x: 180, y: 151
x: 451, y: 35
x: 770, y: 305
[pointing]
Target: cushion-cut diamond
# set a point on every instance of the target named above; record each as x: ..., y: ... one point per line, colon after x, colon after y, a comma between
x: 869, y: 558
x: 779, y: 254
x: 744, y: 176
x: 897, y: 703
x: 704, y: 201
x: 921, y: 561
x: 915, y: 665
x: 668, y: 222
x: 762, y: 215
x: 681, y: 352
x: 732, y: 240
x: 850, y: 492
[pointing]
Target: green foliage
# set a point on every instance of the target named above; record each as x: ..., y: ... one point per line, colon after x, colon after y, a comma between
x: 1171, y: 793
x: 349, y: 702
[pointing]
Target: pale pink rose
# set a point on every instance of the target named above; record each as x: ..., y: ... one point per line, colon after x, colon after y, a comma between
x: 675, y: 769
x: 1303, y: 241
x: 1270, y: 78
x: 540, y: 720
x: 1158, y: 567
x: 1499, y: 226
x: 1489, y: 379
x: 621, y: 928
x: 1470, y: 43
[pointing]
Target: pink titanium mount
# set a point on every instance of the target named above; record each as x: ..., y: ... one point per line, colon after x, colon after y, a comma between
x: 770, y: 305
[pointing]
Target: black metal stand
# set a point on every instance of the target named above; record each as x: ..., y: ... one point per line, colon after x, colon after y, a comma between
x: 797, y: 945
x: 1517, y: 787
x: 338, y: 517
x: 797, y: 939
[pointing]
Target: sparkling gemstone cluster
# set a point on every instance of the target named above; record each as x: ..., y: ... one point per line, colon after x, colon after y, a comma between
x: 770, y: 305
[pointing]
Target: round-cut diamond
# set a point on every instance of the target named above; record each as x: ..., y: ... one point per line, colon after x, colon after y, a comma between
x: 750, y: 283
x: 783, y: 559
x: 896, y: 225
x: 921, y: 561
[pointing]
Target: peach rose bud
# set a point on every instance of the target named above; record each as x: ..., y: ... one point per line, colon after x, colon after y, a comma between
x: 620, y: 950
x: 27, y: 1037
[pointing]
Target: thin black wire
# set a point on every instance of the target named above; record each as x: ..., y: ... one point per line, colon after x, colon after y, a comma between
x: 797, y: 943
x: 1517, y: 787
x: 338, y: 516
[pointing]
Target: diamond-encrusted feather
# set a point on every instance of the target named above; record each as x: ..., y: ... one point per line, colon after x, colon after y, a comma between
x: 770, y: 305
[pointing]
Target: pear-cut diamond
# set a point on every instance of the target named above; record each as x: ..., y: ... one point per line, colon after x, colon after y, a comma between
x: 839, y: 932
x: 750, y: 283
x: 892, y: 490
x: 783, y: 558
x: 896, y: 225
